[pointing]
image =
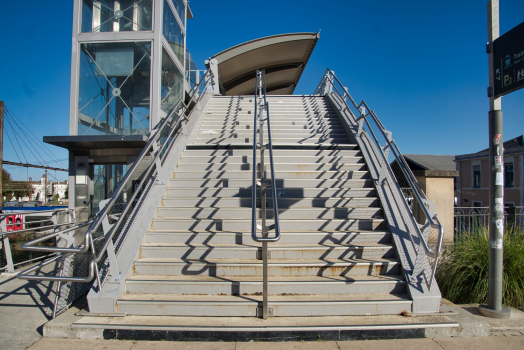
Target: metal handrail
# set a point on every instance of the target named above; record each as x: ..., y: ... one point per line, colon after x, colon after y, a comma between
x: 100, y: 216
x: 261, y: 88
x: 258, y: 128
x: 433, y: 220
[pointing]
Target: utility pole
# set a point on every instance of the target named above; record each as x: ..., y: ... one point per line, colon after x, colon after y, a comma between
x: 1, y: 149
x: 45, y: 188
x: 494, y: 307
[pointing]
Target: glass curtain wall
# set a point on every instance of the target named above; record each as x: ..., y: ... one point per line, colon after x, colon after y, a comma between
x: 114, y: 88
x: 171, y: 85
x: 116, y: 15
x: 106, y: 178
x: 172, y: 32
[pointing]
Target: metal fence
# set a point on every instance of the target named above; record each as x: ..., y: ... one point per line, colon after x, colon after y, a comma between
x: 473, y: 220
x: 18, y: 228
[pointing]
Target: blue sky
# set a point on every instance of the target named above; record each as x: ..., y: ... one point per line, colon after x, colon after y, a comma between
x: 420, y: 65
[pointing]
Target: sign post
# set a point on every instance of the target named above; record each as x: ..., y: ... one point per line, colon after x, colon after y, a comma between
x: 494, y: 307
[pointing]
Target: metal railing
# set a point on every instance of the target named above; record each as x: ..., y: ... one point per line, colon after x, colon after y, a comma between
x: 261, y: 105
x: 107, y: 232
x: 474, y: 220
x: 20, y: 227
x: 421, y: 210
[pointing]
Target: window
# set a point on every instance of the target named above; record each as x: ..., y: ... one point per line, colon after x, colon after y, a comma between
x: 173, y: 33
x: 476, y: 176
x: 116, y: 15
x: 114, y: 82
x: 508, y: 175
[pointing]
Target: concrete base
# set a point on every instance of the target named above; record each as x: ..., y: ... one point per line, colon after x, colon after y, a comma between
x: 503, y: 314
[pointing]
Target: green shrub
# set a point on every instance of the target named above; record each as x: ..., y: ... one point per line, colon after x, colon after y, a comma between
x: 462, y: 274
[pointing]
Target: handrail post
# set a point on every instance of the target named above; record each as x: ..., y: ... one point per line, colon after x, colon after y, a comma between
x: 260, y: 173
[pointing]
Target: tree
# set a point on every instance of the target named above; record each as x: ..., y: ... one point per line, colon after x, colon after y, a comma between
x: 14, y: 189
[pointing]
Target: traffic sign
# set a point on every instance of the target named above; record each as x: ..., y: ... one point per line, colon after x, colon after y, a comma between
x: 508, y: 61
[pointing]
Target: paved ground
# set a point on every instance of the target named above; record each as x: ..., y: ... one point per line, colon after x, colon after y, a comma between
x: 24, y: 309
x: 506, y: 342
x: 25, y: 306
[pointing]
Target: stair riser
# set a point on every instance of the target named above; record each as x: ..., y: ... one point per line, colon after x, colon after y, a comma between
x: 245, y: 213
x: 249, y: 310
x: 318, y: 154
x: 276, y: 253
x: 339, y: 185
x: 176, y: 269
x: 224, y: 129
x: 281, y: 167
x: 278, y: 160
x: 287, y: 175
x: 285, y: 238
x: 232, y: 127
x: 274, y: 140
x: 274, y: 288
x: 293, y: 193
x: 237, y: 225
x: 281, y: 135
x: 282, y: 202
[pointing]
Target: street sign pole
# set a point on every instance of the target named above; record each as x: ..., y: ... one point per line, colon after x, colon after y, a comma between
x: 494, y: 307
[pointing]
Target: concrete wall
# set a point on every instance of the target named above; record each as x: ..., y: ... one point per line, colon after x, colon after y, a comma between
x: 440, y: 191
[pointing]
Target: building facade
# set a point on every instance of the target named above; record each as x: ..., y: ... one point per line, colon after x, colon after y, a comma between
x: 473, y: 181
x: 129, y: 69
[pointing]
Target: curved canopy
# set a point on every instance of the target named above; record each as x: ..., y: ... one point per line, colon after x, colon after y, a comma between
x: 283, y: 56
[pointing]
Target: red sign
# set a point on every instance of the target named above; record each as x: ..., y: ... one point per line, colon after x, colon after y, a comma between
x: 15, y: 223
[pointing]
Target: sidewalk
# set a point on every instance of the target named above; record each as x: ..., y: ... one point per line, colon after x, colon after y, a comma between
x: 506, y: 342
x: 25, y: 308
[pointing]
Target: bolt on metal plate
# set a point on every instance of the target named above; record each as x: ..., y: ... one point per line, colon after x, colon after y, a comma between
x: 269, y: 312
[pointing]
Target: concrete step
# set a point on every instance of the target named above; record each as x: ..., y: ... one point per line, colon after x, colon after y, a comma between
x: 287, y: 133
x: 180, y: 188
x: 189, y: 158
x: 241, y: 306
x: 279, y: 174
x: 281, y: 129
x: 248, y: 126
x: 245, y: 202
x: 210, y: 285
x: 291, y: 185
x: 295, y: 152
x: 277, y: 251
x: 214, y: 225
x: 276, y: 267
x: 244, y: 237
x: 201, y: 213
x: 295, y: 167
x: 284, y: 140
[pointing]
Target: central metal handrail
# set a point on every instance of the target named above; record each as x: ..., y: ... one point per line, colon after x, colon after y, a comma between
x: 101, y: 219
x: 258, y: 128
x: 327, y: 85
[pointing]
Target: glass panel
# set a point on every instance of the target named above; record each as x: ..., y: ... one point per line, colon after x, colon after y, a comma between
x: 508, y: 175
x: 106, y: 178
x: 173, y: 33
x: 191, y: 71
x: 116, y: 15
x: 114, y: 89
x: 476, y: 176
x: 171, y: 84
x: 180, y: 9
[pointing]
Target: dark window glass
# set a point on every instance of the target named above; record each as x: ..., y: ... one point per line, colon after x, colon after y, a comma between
x: 508, y: 175
x: 476, y: 176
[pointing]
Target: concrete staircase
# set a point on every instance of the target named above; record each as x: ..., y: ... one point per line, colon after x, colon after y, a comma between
x: 335, y: 256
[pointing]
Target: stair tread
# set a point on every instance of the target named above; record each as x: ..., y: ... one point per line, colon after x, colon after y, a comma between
x: 257, y: 279
x: 367, y: 297
x: 255, y: 246
x: 274, y: 262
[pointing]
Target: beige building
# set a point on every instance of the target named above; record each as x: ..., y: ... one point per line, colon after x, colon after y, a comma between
x: 473, y: 181
x: 436, y: 175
